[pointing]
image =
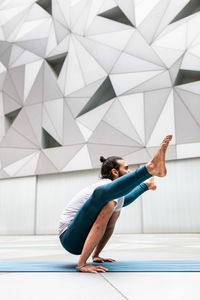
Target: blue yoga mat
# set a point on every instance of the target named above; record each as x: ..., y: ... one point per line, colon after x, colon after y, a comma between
x: 119, y: 266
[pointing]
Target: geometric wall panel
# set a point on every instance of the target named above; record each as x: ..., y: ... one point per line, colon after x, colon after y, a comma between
x: 80, y: 79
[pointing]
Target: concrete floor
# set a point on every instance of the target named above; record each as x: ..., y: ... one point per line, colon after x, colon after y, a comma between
x: 107, y: 286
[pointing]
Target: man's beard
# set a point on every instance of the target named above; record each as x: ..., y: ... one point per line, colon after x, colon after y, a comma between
x: 120, y: 174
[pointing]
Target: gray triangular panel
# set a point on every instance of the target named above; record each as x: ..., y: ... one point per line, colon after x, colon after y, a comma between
x: 46, y: 5
x: 51, y: 89
x: 192, y: 102
x: 71, y: 134
x: 44, y: 165
x: 61, y: 156
x: 96, y: 151
x: 48, y: 141
x: 106, y: 134
x: 191, y: 8
x: 56, y: 62
x: 38, y: 47
x: 116, y: 14
x: 187, y: 129
x: 153, y: 104
x: 104, y: 93
x: 36, y: 93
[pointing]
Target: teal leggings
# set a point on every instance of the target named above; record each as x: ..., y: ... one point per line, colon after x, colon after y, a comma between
x: 130, y: 185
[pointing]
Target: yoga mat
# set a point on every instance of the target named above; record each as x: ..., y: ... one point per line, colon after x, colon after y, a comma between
x: 119, y: 266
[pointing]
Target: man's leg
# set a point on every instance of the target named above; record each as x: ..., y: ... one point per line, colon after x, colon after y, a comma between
x: 75, y: 236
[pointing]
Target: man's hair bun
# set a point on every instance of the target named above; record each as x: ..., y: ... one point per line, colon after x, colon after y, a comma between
x: 102, y: 159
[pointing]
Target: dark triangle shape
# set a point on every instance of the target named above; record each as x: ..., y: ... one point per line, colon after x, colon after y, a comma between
x: 11, y: 116
x: 46, y: 5
x: 187, y: 76
x: 48, y: 141
x: 191, y: 8
x: 56, y: 62
x: 104, y: 93
x: 116, y: 14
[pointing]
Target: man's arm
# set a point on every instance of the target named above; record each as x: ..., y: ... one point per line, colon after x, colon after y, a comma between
x: 95, y: 235
x: 108, y: 232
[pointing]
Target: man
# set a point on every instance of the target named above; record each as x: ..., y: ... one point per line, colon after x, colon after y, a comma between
x: 89, y: 219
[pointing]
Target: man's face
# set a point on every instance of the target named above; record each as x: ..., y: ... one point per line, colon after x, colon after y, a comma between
x: 123, y: 169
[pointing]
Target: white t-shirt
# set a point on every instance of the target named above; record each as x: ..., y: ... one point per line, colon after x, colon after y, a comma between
x: 78, y: 200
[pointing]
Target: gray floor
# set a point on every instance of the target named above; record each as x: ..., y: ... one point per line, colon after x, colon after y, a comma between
x: 107, y: 286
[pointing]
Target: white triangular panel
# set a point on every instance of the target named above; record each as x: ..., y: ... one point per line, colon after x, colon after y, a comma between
x: 137, y: 157
x: 134, y: 107
x: 193, y: 29
x: 62, y: 155
x: 80, y: 161
x: 94, y: 9
x: 101, y: 25
x: 44, y: 165
x: 174, y: 40
x: 162, y: 81
x: 165, y: 124
x: 193, y: 87
x: 143, y: 8
x: 34, y: 113
x: 26, y: 57
x: 128, y: 63
x: 106, y: 5
x: 127, y: 81
x: 80, y: 25
x: 76, y: 104
x: 12, y: 155
x: 169, y: 56
x: 14, y: 139
x: 104, y: 55
x: 116, y: 40
x: 91, y: 70
x: 15, y: 167
x: 71, y: 132
x: 191, y: 62
x: 85, y: 131
x: 55, y: 111
x: 31, y: 71
x: 92, y: 118
x: 173, y: 71
x: 74, y: 78
x: 22, y: 124
x: 48, y: 125
x: 37, y: 29
x: 52, y: 42
x: 98, y: 150
x: 16, y: 52
x: 172, y: 10
x: 195, y: 49
x: 108, y: 135
x: 29, y: 166
x: 113, y: 117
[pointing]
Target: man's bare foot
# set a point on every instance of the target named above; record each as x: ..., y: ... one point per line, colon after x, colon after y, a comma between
x: 92, y: 269
x: 156, y: 167
x: 151, y: 184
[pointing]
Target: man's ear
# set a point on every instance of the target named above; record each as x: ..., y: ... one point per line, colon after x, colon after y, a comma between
x: 114, y: 172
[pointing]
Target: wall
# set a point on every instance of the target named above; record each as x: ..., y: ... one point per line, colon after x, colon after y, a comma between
x: 32, y: 205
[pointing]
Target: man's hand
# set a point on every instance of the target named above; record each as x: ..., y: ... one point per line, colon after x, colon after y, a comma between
x: 92, y: 269
x: 101, y: 260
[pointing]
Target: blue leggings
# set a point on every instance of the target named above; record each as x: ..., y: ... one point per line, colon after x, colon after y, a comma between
x: 129, y: 185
